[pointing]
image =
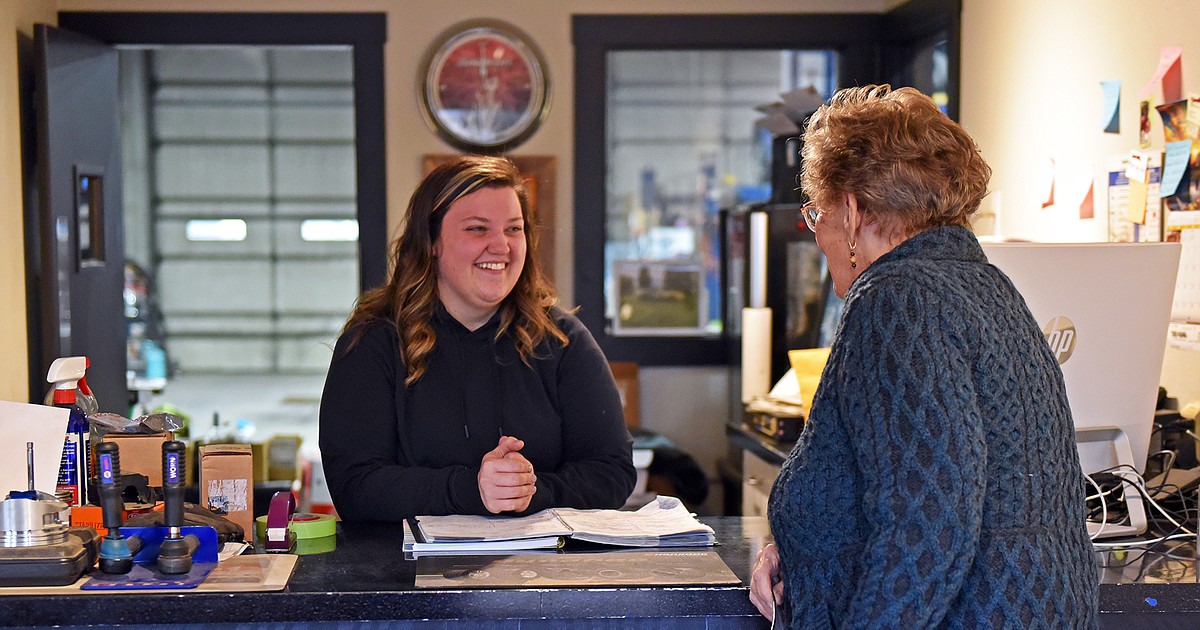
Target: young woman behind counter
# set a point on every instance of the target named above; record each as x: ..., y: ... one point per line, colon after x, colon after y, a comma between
x: 459, y: 387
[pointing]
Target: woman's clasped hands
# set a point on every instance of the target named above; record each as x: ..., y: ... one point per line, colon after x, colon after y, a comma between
x: 506, y: 479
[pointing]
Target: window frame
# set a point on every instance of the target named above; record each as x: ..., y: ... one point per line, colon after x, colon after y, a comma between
x: 366, y: 33
x: 855, y: 36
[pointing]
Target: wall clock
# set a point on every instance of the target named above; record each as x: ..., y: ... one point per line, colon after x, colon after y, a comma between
x: 484, y: 87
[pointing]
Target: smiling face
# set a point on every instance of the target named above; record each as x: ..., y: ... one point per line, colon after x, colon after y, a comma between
x: 480, y: 253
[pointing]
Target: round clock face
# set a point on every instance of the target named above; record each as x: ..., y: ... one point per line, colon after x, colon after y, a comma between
x: 484, y: 89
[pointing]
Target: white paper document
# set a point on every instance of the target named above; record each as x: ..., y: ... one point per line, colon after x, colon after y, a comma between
x: 664, y: 522
x: 46, y: 428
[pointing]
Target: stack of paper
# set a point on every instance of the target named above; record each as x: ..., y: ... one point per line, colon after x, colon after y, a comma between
x: 664, y: 522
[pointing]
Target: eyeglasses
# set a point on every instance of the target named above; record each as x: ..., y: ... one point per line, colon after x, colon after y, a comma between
x: 811, y: 215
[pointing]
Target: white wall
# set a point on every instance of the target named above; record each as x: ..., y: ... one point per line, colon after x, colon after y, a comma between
x: 1031, y: 91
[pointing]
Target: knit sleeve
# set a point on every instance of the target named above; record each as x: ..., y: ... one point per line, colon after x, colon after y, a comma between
x: 918, y: 440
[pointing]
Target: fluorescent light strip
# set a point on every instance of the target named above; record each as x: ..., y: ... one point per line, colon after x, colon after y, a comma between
x: 216, y: 230
x: 329, y: 230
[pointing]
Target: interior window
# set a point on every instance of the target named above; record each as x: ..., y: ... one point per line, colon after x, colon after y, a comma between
x: 684, y: 139
x: 241, y: 225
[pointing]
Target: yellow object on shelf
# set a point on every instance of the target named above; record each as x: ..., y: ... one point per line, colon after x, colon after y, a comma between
x: 808, y: 365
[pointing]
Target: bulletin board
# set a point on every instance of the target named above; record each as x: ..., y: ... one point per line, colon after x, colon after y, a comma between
x: 1153, y: 194
x: 1187, y: 286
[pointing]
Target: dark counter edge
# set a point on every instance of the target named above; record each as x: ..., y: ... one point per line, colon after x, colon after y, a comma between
x: 1117, y: 601
x: 367, y: 579
x: 210, y: 608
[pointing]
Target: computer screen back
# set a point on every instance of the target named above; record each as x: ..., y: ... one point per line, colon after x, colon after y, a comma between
x: 1104, y: 308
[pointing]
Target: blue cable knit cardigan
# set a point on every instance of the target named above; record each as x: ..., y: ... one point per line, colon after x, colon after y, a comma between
x: 937, y: 483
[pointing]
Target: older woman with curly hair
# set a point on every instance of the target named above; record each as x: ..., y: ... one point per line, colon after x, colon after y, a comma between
x: 936, y: 483
x: 459, y: 387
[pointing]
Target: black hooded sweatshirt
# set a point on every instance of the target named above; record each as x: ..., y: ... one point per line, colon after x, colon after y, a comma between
x: 391, y: 452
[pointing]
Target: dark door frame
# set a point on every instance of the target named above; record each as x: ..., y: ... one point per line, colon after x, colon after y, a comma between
x: 365, y: 32
x: 916, y: 23
x: 74, y: 290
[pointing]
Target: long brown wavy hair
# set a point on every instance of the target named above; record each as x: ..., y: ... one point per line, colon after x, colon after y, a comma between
x: 410, y: 296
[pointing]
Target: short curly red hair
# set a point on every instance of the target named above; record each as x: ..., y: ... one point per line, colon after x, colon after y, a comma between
x: 908, y: 164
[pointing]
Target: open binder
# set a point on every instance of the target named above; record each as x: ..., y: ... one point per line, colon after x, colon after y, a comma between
x: 663, y: 522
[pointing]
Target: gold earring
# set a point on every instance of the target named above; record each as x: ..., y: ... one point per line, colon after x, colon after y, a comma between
x: 853, y: 257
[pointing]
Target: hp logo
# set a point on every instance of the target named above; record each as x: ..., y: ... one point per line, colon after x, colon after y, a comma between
x: 1060, y: 334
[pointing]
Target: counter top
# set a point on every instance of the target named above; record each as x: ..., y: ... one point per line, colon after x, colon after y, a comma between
x: 767, y: 449
x: 367, y: 578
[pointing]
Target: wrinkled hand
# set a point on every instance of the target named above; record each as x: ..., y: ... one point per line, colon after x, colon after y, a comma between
x: 506, y: 478
x: 766, y: 582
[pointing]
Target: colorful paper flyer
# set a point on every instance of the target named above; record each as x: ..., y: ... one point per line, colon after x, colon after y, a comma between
x: 1193, y: 116
x: 1174, y: 119
x: 1144, y: 125
x: 1120, y: 189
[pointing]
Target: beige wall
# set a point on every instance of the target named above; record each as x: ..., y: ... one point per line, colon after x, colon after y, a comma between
x: 16, y: 25
x: 1031, y: 91
x: 1030, y: 86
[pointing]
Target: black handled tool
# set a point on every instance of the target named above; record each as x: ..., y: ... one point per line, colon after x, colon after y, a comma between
x: 175, y: 552
x: 116, y: 551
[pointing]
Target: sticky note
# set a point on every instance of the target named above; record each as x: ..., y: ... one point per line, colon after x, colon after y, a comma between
x: 1087, y: 207
x: 1110, y: 119
x: 1136, y: 211
x: 1167, y: 75
x: 1175, y: 164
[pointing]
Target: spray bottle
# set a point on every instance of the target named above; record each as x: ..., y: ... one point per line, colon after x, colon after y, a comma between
x: 83, y: 396
x: 73, y: 474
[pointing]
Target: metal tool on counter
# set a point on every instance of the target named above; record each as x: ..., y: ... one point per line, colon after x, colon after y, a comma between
x: 36, y: 547
x: 31, y: 492
x: 175, y: 552
x: 116, y: 551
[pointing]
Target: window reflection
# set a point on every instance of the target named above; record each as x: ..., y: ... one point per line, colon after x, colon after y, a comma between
x: 682, y: 144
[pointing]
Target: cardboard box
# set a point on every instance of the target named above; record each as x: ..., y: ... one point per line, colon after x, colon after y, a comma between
x: 283, y: 457
x: 260, y: 461
x: 141, y: 453
x: 227, y: 482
